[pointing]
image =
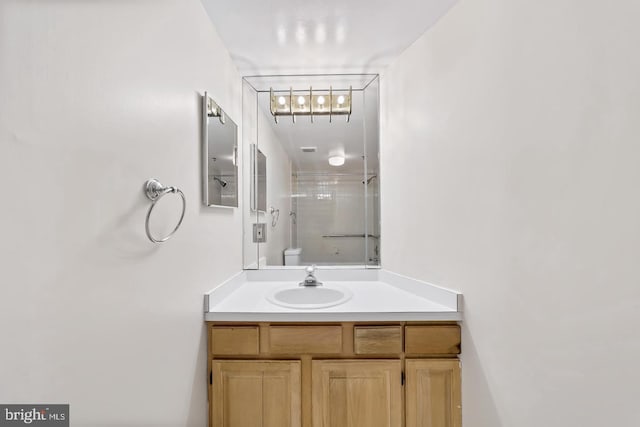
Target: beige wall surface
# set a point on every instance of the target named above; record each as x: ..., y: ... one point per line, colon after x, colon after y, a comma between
x: 510, y: 153
x: 95, y: 98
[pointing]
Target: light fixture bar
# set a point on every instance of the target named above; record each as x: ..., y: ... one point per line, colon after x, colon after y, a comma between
x: 350, y: 98
x: 312, y: 103
x: 272, y: 106
x: 330, y: 102
x: 214, y: 110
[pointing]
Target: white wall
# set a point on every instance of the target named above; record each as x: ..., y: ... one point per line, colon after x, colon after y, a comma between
x: 97, y: 97
x: 510, y: 158
x: 258, y: 130
x: 278, y: 192
x: 249, y: 136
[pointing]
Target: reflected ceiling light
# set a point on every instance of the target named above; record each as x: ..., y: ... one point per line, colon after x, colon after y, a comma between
x: 336, y: 160
x: 312, y: 102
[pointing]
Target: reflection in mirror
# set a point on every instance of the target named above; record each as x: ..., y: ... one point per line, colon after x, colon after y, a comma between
x: 320, y: 135
x: 258, y: 180
x: 220, y: 155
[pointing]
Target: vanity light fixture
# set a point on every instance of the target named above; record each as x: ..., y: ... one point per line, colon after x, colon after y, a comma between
x: 319, y: 102
x: 336, y: 160
x: 214, y: 110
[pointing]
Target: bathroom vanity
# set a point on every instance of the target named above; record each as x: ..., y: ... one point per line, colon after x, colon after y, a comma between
x: 386, y: 356
x: 367, y: 348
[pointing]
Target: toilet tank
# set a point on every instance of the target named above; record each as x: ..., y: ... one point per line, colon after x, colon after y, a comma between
x: 292, y: 256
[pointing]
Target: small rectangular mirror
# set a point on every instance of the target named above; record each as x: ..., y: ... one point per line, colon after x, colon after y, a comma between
x: 258, y: 180
x: 220, y: 156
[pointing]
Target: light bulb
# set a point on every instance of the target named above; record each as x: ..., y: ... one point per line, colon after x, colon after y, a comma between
x: 341, y: 99
x: 321, y: 100
x: 301, y: 100
x: 336, y: 160
x: 281, y: 100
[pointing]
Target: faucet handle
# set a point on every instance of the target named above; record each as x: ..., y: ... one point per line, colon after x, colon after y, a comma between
x: 310, y: 269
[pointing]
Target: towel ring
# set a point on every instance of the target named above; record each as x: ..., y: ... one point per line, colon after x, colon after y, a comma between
x: 154, y: 192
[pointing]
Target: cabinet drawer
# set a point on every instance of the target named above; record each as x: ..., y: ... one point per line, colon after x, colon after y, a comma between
x: 305, y: 339
x: 235, y: 340
x: 443, y: 339
x: 377, y: 339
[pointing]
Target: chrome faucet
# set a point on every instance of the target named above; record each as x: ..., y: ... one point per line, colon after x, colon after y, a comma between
x: 310, y: 280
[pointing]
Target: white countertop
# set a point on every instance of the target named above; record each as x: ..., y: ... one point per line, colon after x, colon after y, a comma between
x: 377, y: 295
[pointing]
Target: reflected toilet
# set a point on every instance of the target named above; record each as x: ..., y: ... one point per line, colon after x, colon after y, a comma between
x: 292, y: 256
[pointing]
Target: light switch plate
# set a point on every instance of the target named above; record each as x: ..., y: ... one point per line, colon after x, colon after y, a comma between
x: 260, y: 232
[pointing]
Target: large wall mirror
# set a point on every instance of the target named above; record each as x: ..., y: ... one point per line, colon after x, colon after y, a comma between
x: 220, y: 156
x: 319, y: 139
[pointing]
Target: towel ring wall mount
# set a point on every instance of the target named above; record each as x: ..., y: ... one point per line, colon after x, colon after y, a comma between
x: 154, y: 191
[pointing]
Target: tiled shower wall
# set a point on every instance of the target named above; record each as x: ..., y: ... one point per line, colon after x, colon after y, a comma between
x: 327, y: 205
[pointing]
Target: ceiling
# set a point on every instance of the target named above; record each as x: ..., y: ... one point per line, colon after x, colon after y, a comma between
x: 300, y: 43
x: 330, y: 36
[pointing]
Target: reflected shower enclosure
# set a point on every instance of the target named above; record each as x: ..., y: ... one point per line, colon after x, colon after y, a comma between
x: 320, y: 137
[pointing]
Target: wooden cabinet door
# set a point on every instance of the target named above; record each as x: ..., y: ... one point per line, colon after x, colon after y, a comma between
x: 256, y: 394
x: 356, y: 393
x: 433, y: 393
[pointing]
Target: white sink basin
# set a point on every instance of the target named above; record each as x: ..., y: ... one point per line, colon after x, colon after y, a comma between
x: 309, y: 297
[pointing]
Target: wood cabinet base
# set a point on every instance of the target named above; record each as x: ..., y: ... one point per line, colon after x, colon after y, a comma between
x: 334, y: 375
